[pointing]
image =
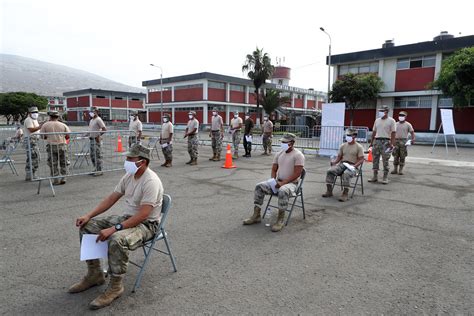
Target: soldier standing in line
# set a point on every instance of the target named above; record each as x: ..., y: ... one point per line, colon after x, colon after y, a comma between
x: 192, y: 134
x: 248, y: 135
x: 136, y: 127
x: 32, y: 128
x: 235, y: 127
x: 383, y: 132
x: 96, y: 129
x: 400, y: 151
x: 166, y: 140
x: 216, y: 134
x: 56, y: 147
x: 267, y: 135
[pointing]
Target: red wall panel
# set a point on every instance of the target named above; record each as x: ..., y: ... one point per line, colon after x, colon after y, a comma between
x: 71, y: 102
x: 237, y: 96
x: 181, y: 117
x: 100, y: 102
x: 320, y: 104
x: 193, y: 94
x: 463, y: 119
x: 216, y: 94
x: 155, y: 97
x: 362, y: 117
x: 83, y: 101
x: 413, y: 79
x: 209, y: 116
x: 311, y: 104
x: 72, y: 116
x: 299, y: 103
x: 419, y: 118
x: 154, y: 117
x: 119, y: 103
x: 252, y: 98
x: 135, y: 104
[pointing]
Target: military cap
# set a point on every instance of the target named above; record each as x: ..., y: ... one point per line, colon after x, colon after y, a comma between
x: 192, y: 112
x: 53, y: 113
x: 133, y: 112
x: 403, y: 113
x: 288, y: 137
x: 166, y: 115
x: 32, y: 109
x: 94, y: 108
x: 384, y: 108
x: 351, y: 131
x: 138, y: 150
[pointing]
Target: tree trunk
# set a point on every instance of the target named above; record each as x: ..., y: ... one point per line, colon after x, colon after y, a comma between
x: 352, y: 116
x: 257, y: 92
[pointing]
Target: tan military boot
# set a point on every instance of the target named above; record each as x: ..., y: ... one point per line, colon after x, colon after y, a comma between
x: 395, y: 169
x: 218, y: 157
x: 168, y: 163
x: 329, y: 191
x: 280, y: 221
x: 190, y: 161
x: 114, y: 291
x: 255, y: 218
x: 400, y: 172
x: 193, y: 162
x: 94, y: 276
x: 345, y: 195
x: 213, y: 157
x: 165, y: 163
x: 385, y: 178
x: 375, y: 177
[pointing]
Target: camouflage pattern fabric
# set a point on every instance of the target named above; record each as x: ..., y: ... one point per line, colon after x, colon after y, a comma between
x: 216, y: 142
x: 399, y: 152
x: 57, y: 159
x: 236, y: 141
x: 267, y: 143
x: 193, y: 146
x: 284, y: 194
x: 96, y: 154
x: 378, y: 150
x: 339, y: 170
x: 168, y: 152
x: 31, y: 150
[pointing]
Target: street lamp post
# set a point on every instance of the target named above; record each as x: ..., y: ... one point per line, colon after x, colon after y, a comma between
x: 329, y: 60
x: 161, y: 89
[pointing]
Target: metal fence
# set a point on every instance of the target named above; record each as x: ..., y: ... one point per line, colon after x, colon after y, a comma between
x: 7, y: 136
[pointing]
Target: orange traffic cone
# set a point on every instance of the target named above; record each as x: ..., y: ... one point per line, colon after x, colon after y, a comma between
x: 119, y: 144
x: 369, y: 156
x: 228, y: 159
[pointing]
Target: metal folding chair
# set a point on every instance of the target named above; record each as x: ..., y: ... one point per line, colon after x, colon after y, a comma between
x: 152, y: 143
x: 150, y: 244
x: 6, y: 159
x: 359, y: 180
x: 298, y: 194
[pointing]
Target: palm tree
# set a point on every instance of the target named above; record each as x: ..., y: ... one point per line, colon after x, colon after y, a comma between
x: 259, y: 68
x: 272, y: 100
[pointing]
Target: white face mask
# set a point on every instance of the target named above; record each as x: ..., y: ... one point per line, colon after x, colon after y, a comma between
x: 265, y: 118
x: 236, y: 116
x: 131, y: 167
x: 401, y: 118
x: 247, y: 117
x: 132, y: 118
x: 214, y: 113
x: 381, y: 113
x: 165, y: 120
x: 91, y: 114
x: 284, y: 146
x: 349, y: 138
x: 34, y: 116
x: 190, y: 117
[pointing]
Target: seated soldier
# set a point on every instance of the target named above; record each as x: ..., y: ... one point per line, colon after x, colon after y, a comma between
x: 286, y: 170
x: 351, y: 153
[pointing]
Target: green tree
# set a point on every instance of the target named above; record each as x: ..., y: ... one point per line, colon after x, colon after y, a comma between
x: 14, y: 105
x: 259, y: 68
x: 456, y: 78
x: 273, y: 100
x: 355, y: 89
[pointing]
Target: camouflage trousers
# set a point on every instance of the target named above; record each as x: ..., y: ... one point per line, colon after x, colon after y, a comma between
x: 399, y: 152
x: 132, y: 140
x: 342, y: 171
x: 168, y: 152
x: 284, y: 194
x: 57, y: 159
x: 378, y: 150
x: 216, y: 139
x: 267, y: 142
x: 236, y: 141
x: 96, y: 154
x: 31, y: 150
x: 121, y: 242
x: 193, y: 146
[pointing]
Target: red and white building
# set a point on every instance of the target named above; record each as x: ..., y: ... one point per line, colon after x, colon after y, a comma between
x: 57, y: 104
x: 112, y: 105
x: 407, y: 72
x: 203, y: 92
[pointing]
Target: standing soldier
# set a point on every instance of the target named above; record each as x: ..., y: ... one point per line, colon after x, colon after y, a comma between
x: 400, y: 152
x: 32, y: 128
x: 216, y: 134
x: 235, y: 127
x: 56, y: 147
x: 96, y: 126
x: 166, y: 138
x: 383, y: 133
x: 267, y: 135
x: 136, y: 127
x: 248, y: 135
x: 192, y: 134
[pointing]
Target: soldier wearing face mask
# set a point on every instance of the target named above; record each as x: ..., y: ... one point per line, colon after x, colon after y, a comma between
x: 235, y: 127
x: 383, y: 140
x: 248, y: 135
x: 216, y: 134
x: 192, y: 134
x: 32, y: 128
x: 350, y: 152
x: 136, y: 127
x: 96, y: 129
x: 400, y: 151
x: 267, y: 135
x: 166, y: 138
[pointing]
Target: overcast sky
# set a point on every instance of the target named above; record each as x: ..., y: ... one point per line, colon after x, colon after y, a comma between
x: 119, y: 39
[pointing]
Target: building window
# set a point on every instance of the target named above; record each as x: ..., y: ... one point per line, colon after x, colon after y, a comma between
x: 372, y: 67
x: 236, y: 87
x: 100, y: 97
x: 413, y: 102
x: 105, y: 114
x: 188, y: 86
x: 135, y: 99
x: 219, y: 108
x: 445, y: 102
x: 118, y: 98
x: 416, y: 62
x: 216, y: 85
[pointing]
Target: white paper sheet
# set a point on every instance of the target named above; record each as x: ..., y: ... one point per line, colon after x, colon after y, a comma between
x: 272, y: 182
x: 348, y: 166
x: 408, y: 143
x: 248, y: 138
x: 90, y: 249
x: 164, y: 145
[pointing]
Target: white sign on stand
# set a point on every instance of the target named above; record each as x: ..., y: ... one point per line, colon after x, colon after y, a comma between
x: 447, y: 124
x: 332, y: 128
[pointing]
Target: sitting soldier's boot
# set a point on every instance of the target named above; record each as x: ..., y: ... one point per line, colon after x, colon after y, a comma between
x: 194, y: 162
x: 345, y: 195
x: 395, y: 169
x: 94, y: 276
x: 114, y: 290
x: 218, y: 157
x: 375, y: 177
x: 385, y: 177
x: 280, y: 221
x: 328, y: 191
x: 255, y: 218
x: 213, y: 157
x: 400, y: 172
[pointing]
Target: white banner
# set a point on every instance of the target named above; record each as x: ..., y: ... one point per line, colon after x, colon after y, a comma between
x: 332, y: 136
x: 447, y: 121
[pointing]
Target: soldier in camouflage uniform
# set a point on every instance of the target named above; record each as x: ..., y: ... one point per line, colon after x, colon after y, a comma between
x: 235, y: 127
x: 143, y: 191
x: 56, y: 146
x: 267, y: 135
x: 166, y: 140
x: 400, y: 151
x: 32, y: 128
x: 192, y: 134
x: 96, y: 125
x: 216, y: 133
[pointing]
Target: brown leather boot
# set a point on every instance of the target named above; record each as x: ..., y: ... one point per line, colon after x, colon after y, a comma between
x: 375, y: 176
x: 218, y: 157
x: 345, y: 195
x: 385, y: 177
x: 168, y: 164
x: 400, y: 172
x: 213, y: 157
x: 190, y: 161
x: 164, y: 164
x: 193, y: 162
x: 114, y: 291
x: 395, y: 169
x: 280, y: 221
x: 94, y: 276
x: 255, y: 218
x: 329, y: 191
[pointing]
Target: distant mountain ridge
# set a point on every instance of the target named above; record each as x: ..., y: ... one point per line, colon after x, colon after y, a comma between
x: 19, y: 73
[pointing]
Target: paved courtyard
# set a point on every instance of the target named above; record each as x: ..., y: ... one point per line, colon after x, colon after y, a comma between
x: 402, y: 248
